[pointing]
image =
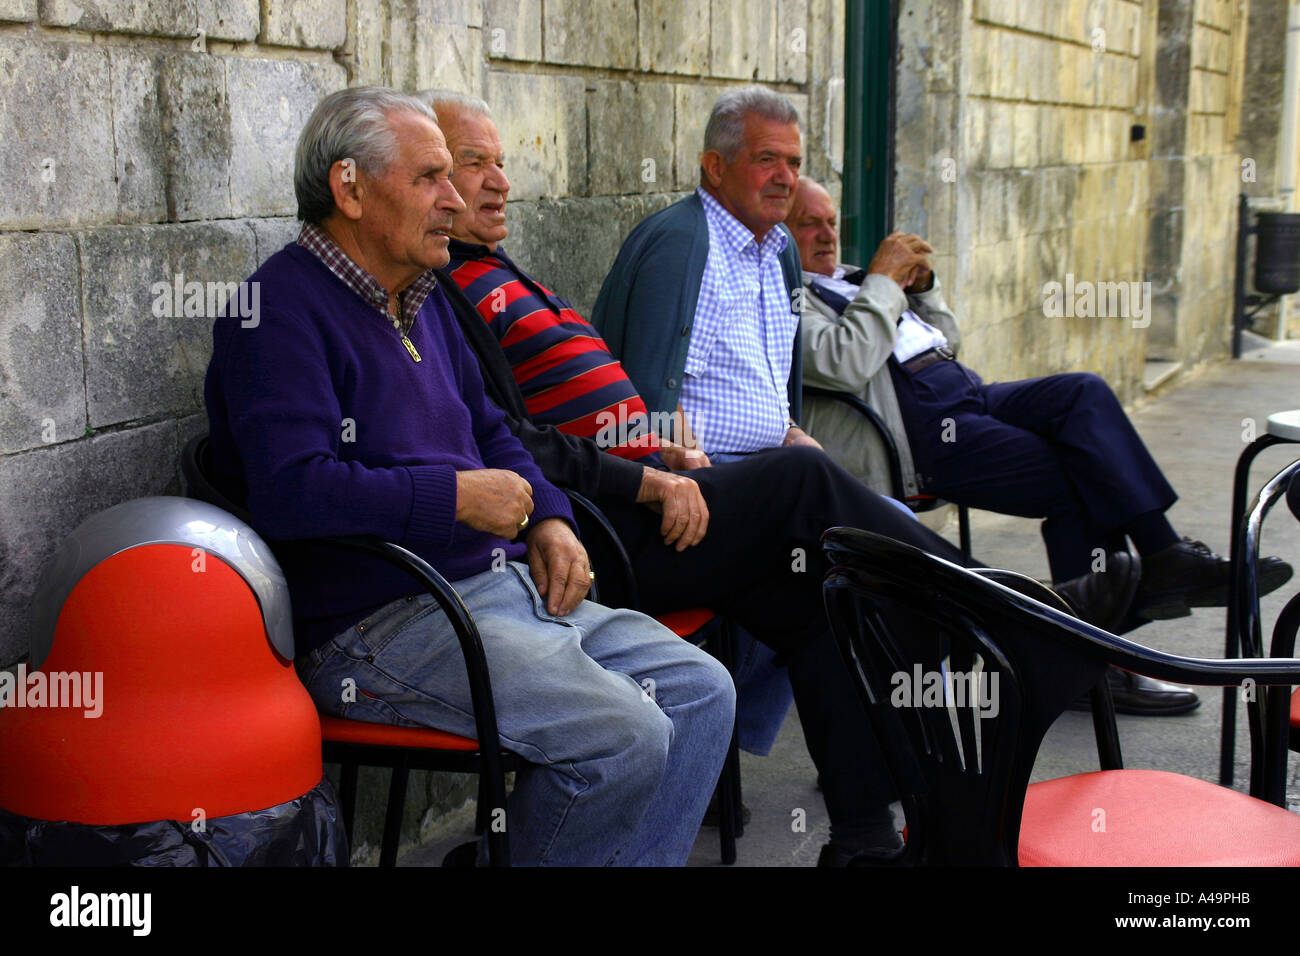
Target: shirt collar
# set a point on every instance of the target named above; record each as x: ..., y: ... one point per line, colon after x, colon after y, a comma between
x: 735, y: 233
x: 318, y: 242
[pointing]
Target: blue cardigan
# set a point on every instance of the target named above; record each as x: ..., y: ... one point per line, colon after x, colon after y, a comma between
x: 646, y: 307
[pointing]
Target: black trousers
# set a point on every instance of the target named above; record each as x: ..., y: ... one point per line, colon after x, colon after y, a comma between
x: 761, y: 566
x: 1058, y: 448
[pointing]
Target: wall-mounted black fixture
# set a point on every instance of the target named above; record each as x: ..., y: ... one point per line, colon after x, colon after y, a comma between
x: 1277, y: 263
x: 1137, y: 132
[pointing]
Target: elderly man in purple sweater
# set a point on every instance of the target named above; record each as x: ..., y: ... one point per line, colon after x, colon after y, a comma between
x: 353, y: 406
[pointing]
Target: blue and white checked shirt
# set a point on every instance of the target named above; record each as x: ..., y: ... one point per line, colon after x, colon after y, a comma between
x: 734, y: 390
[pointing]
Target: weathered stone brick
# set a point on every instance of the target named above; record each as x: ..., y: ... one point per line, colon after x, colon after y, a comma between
x: 270, y: 101
x: 673, y: 36
x: 272, y: 235
x: 630, y: 129
x: 56, y: 135
x: 547, y: 238
x: 367, y: 42
x: 139, y: 363
x: 792, y: 41
x: 139, y: 150
x: 167, y: 18
x: 448, y: 56
x: 591, y: 32
x: 47, y: 492
x: 317, y: 24
x: 42, y: 391
x: 543, y: 127
x: 692, y: 104
x: 742, y: 39
x: 197, y: 134
x: 513, y: 29
x: 18, y: 11
x: 229, y: 19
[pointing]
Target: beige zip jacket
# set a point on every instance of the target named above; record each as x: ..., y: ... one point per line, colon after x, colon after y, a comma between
x: 848, y: 353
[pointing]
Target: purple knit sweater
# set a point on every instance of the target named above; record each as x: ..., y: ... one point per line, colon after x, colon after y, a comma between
x: 323, y: 423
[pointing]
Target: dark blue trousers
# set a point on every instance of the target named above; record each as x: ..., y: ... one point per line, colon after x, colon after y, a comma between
x: 1058, y: 448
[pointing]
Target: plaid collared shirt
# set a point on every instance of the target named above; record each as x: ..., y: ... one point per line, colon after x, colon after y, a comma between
x: 734, y: 390
x: 316, y: 241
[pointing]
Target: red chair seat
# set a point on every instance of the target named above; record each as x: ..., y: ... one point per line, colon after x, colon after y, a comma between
x: 341, y: 730
x: 684, y: 623
x: 1152, y: 817
x: 1295, y: 708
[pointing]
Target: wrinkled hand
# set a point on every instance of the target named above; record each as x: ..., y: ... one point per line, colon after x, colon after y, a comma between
x: 680, y: 458
x: 493, y: 500
x: 559, y: 565
x: 797, y: 436
x: 902, y: 257
x: 679, y: 500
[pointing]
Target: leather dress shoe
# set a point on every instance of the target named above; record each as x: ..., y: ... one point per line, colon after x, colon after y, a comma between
x: 834, y: 855
x: 1103, y: 597
x: 1188, y: 574
x: 1144, y: 696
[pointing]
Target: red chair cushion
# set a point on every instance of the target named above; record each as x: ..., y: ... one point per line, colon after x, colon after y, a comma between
x: 687, y: 622
x: 1295, y: 708
x: 1152, y: 818
x: 341, y: 730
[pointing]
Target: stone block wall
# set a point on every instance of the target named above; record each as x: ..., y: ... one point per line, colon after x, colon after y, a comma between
x: 1018, y: 153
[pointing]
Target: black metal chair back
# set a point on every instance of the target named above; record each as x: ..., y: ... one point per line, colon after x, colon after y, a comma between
x: 955, y: 716
x: 995, y: 669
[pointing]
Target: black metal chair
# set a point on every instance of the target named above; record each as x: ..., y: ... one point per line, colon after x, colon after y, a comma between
x: 1282, y: 732
x: 1244, y: 632
x: 615, y: 586
x: 918, y: 503
x: 355, y: 743
x: 1281, y: 428
x: 963, y: 676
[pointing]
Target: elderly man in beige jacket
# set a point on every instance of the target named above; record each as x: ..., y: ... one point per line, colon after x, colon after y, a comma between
x: 1058, y: 447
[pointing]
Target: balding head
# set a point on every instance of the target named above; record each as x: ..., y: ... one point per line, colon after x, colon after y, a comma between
x: 479, y: 164
x: 813, y: 221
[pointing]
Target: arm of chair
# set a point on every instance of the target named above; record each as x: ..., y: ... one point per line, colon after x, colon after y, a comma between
x: 871, y: 415
x: 615, y: 584
x: 196, y: 467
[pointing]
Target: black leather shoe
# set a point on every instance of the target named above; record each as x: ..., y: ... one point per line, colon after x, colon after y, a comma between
x: 1144, y: 696
x: 834, y: 855
x: 465, y: 855
x: 1188, y: 574
x: 1103, y: 597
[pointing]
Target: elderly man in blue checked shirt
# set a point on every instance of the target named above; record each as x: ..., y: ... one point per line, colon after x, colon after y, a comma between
x: 702, y: 308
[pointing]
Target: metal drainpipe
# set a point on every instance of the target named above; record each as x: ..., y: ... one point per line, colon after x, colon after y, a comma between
x: 1286, y: 166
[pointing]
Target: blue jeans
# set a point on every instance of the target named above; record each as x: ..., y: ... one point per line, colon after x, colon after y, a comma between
x: 624, y: 725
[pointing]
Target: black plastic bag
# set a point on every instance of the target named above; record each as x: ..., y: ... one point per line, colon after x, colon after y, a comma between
x: 306, y: 831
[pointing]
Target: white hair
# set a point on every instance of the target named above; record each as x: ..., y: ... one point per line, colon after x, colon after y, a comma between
x: 725, y: 131
x: 348, y: 124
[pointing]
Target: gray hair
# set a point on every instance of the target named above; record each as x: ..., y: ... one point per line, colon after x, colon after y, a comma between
x: 726, y: 129
x: 347, y: 124
x: 466, y: 102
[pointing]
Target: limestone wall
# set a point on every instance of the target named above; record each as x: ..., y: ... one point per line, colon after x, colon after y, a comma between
x: 1019, y: 154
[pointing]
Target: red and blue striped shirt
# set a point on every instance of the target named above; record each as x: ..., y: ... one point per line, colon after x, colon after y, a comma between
x: 566, y: 372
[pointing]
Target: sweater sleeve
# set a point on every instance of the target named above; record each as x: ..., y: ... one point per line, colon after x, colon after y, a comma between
x: 285, y: 421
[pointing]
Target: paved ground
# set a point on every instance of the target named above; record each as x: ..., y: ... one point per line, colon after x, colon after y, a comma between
x: 1195, y: 432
